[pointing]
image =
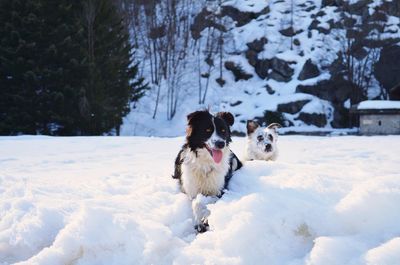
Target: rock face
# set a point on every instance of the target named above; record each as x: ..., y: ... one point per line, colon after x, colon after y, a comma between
x: 202, y: 21
x: 387, y: 69
x: 309, y: 70
x: 237, y: 71
x: 281, y: 71
x: 290, y: 32
x: 292, y: 107
x: 394, y: 93
x: 337, y: 91
x: 262, y: 68
x: 276, y: 69
x: 316, y: 119
x: 257, y: 45
x: 242, y: 17
x: 329, y: 3
x: 277, y: 56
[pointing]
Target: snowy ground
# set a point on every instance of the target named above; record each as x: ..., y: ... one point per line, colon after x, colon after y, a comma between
x: 109, y: 200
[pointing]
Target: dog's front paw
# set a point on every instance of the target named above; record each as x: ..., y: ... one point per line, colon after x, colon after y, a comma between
x: 202, y: 227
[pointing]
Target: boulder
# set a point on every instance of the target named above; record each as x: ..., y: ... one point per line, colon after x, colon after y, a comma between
x: 273, y: 117
x: 237, y: 71
x: 387, y: 69
x: 292, y: 107
x: 281, y: 71
x: 316, y: 119
x: 392, y: 8
x: 236, y: 103
x: 278, y: 77
x: 281, y: 67
x: 269, y: 89
x: 251, y: 57
x: 202, y: 21
x: 242, y: 17
x: 336, y: 90
x: 262, y: 68
x: 357, y: 7
x: 341, y: 117
x: 315, y: 25
x: 394, y: 93
x: 257, y: 45
x: 289, y: 32
x: 309, y: 70
x: 325, y: 3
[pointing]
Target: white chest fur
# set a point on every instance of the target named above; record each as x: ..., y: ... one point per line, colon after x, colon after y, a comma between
x: 201, y: 175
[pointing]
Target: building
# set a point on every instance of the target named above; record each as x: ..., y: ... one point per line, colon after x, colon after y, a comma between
x: 379, y: 117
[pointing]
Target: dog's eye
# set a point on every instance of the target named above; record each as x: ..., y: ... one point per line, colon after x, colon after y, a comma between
x: 270, y: 137
x: 260, y: 138
x: 223, y: 130
x: 208, y: 130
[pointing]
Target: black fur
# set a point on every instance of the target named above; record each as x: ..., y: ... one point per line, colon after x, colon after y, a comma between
x: 198, y: 132
x: 200, y: 128
x: 178, y: 163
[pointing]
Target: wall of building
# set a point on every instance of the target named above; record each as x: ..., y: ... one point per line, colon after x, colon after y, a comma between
x: 379, y: 124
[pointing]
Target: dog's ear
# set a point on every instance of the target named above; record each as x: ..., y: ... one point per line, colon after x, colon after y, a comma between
x: 192, y: 116
x: 274, y: 126
x: 251, y: 126
x: 190, y: 119
x: 227, y: 117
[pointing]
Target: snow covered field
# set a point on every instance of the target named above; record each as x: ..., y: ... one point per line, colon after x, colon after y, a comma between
x: 111, y: 200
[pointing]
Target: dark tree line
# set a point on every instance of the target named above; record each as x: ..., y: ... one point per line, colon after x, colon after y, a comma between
x: 66, y: 67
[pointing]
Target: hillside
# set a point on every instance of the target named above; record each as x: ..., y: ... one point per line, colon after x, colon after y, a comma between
x: 304, y: 62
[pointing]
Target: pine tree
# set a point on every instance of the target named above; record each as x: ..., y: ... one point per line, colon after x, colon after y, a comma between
x: 62, y: 63
x: 65, y: 67
x: 20, y: 27
x: 110, y: 85
x: 40, y: 72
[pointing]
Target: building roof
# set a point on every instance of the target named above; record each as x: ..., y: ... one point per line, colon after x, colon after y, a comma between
x: 379, y: 106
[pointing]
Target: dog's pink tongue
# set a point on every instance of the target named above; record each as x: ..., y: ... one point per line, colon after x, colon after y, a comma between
x: 217, y: 155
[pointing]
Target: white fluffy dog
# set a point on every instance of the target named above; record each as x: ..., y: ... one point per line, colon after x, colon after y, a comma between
x: 261, y: 142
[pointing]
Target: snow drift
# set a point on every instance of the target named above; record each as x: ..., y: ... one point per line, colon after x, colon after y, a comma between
x: 89, y: 200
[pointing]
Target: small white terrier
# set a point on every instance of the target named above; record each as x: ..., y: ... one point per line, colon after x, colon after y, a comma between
x: 261, y: 142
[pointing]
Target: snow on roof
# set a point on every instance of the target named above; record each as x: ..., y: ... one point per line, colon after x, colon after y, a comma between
x: 379, y: 104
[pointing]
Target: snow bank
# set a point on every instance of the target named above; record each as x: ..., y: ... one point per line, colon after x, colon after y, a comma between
x: 110, y: 200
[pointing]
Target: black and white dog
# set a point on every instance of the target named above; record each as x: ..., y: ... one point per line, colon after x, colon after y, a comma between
x: 205, y: 163
x: 261, y: 142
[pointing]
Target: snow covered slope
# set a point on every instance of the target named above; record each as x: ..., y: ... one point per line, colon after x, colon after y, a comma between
x: 327, y: 200
x: 291, y: 57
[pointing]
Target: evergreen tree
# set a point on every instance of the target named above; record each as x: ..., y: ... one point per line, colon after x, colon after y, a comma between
x: 40, y: 71
x: 20, y: 28
x: 109, y: 86
x: 62, y: 68
x: 65, y: 67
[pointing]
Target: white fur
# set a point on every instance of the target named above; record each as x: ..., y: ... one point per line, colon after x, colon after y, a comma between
x: 201, y: 175
x: 202, y: 178
x: 199, y: 207
x: 255, y: 150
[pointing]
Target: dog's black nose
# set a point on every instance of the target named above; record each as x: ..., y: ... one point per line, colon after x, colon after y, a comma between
x: 220, y: 144
x: 268, y: 147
